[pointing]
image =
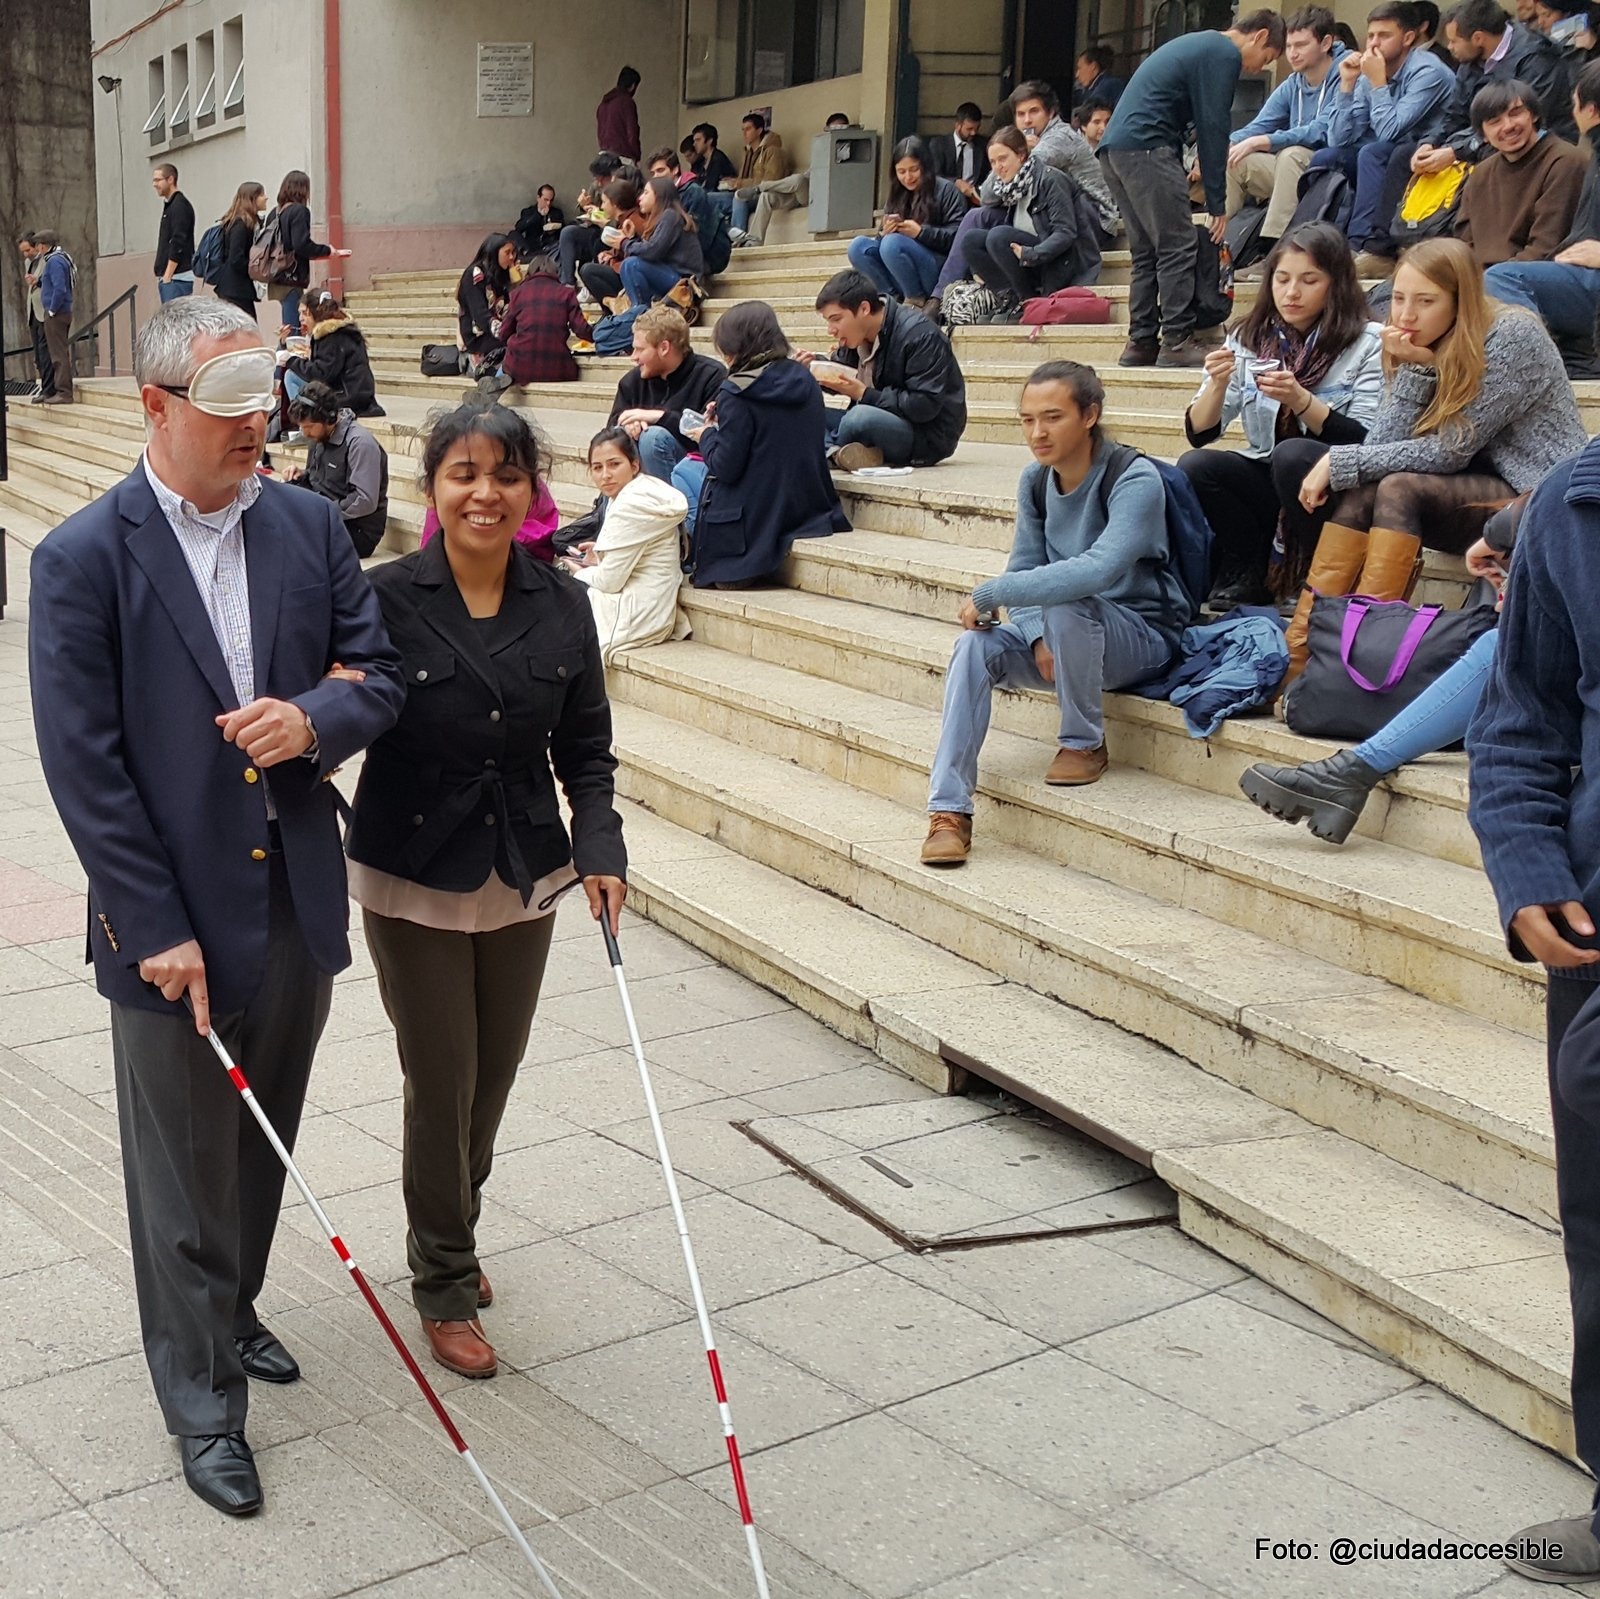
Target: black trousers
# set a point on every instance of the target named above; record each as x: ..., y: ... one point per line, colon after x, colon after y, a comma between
x: 462, y: 1005
x: 603, y: 282
x: 204, y: 1187
x: 989, y: 257
x: 579, y: 242
x: 1243, y: 497
x: 41, y: 356
x: 1573, y: 1032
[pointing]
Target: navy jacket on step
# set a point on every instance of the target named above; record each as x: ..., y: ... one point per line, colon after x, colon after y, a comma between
x: 769, y: 480
x: 168, y: 819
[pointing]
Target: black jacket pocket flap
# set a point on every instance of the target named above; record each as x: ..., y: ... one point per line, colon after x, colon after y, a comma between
x: 556, y: 666
x: 425, y: 670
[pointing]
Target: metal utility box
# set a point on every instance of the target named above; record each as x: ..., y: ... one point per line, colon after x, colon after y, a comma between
x: 844, y: 180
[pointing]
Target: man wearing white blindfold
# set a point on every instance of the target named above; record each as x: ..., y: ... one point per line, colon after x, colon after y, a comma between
x: 184, y: 633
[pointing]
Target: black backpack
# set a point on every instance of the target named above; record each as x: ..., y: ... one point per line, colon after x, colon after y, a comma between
x: 1213, y: 298
x: 1243, y: 237
x: 1326, y: 195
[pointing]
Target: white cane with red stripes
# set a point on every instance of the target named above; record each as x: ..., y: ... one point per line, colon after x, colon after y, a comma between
x: 717, y: 1384
x: 451, y: 1430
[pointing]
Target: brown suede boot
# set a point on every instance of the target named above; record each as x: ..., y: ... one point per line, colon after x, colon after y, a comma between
x: 949, y: 839
x: 1074, y: 768
x: 1335, y: 566
x: 1393, y: 564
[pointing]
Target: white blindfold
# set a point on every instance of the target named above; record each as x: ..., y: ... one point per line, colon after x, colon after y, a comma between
x: 236, y: 384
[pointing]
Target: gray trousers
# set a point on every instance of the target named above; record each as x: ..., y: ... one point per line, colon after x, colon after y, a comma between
x: 1152, y: 194
x: 204, y: 1187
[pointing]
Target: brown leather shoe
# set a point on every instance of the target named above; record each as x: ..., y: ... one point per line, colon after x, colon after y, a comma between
x: 1072, y: 768
x: 461, y: 1347
x: 949, y: 839
x: 485, y: 1291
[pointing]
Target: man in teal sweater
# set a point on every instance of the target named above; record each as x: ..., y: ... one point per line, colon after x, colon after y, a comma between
x: 1189, y: 80
x: 1093, y: 599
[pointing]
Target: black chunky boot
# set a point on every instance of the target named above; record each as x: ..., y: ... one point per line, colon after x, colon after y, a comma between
x: 1327, y: 795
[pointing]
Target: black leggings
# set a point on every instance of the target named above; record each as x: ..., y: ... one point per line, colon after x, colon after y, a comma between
x: 1243, y: 497
x: 603, y: 282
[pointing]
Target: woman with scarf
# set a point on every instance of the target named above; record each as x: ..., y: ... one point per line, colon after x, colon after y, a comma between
x: 1042, y: 245
x: 1302, y: 372
x: 763, y: 480
x: 920, y: 219
x: 481, y: 296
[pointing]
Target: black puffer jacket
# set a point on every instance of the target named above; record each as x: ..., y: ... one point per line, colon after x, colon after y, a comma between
x: 915, y: 375
x: 339, y: 358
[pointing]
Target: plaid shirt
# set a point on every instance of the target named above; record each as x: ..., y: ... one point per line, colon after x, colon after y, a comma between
x: 541, y: 314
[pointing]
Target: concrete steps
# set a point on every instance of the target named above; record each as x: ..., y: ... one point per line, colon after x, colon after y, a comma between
x: 1327, y: 1053
x: 1453, y: 1286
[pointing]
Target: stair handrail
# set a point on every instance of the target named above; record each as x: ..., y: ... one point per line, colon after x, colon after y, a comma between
x: 129, y: 297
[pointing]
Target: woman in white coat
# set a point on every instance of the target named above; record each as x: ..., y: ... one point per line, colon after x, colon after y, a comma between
x: 634, y: 566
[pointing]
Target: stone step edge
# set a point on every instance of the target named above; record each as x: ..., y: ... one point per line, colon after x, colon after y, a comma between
x: 1308, y: 1067
x: 1531, y: 1400
x: 672, y: 669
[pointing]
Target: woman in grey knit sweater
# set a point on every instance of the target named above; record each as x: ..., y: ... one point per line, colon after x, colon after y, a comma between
x: 1477, y: 408
x: 1501, y: 429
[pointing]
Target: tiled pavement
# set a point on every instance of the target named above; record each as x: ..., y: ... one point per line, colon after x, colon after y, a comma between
x: 1120, y: 1417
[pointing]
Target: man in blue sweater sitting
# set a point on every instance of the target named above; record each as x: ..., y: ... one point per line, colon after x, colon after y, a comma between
x: 1268, y: 156
x: 1188, y: 81
x: 1534, y: 746
x: 1093, y: 599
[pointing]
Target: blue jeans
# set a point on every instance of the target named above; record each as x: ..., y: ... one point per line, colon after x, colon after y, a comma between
x: 1565, y: 296
x: 955, y: 264
x: 881, y: 430
x: 901, y: 267
x: 646, y: 281
x: 293, y: 385
x: 1438, y: 716
x: 743, y: 209
x: 1097, y: 645
x: 1368, y: 168
x: 689, y: 479
x: 291, y: 310
x: 176, y: 290
x: 659, y: 453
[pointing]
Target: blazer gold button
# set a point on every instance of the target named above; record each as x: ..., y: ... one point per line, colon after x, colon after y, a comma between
x: 494, y: 716
x: 422, y: 676
x: 251, y: 775
x: 258, y: 854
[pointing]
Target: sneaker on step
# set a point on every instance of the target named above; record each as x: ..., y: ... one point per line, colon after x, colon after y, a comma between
x: 738, y: 236
x: 1556, y: 1551
x: 856, y: 457
x: 949, y: 839
x: 1137, y: 353
x: 585, y: 298
x: 1186, y: 352
x: 1371, y: 265
x: 748, y: 242
x: 1074, y: 768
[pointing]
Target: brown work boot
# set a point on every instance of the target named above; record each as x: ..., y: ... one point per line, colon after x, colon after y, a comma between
x: 949, y: 839
x: 1136, y: 353
x: 485, y: 1291
x: 461, y: 1347
x: 1073, y: 768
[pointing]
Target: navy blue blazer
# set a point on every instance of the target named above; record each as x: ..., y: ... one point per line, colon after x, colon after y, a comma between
x: 167, y: 818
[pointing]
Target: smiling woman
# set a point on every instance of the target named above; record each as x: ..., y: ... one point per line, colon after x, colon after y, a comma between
x: 457, y: 847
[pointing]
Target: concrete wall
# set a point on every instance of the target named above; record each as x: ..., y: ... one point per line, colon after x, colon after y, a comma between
x: 424, y: 176
x: 47, y: 161
x: 281, y: 127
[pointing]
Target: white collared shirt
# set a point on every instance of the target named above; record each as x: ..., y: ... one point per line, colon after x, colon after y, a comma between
x: 213, y: 546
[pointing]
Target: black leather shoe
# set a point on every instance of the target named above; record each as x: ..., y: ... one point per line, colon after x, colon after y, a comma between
x: 220, y: 1468
x: 265, y: 1359
x: 1328, y: 795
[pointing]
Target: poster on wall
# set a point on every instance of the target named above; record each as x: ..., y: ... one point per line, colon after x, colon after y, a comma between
x: 505, y: 80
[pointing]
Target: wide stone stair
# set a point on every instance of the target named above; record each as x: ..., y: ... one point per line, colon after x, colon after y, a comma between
x: 1328, y: 1054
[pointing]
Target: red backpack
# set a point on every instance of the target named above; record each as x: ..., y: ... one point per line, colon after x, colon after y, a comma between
x: 1078, y: 306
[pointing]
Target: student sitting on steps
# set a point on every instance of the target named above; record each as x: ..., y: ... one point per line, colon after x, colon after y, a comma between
x: 1477, y: 408
x: 1094, y: 602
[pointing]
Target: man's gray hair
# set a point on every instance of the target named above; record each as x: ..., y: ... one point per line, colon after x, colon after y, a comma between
x: 164, y: 349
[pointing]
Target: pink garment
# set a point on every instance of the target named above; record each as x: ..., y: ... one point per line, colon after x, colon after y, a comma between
x: 537, y: 533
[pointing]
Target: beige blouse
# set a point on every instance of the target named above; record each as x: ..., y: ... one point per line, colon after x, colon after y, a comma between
x: 480, y: 910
